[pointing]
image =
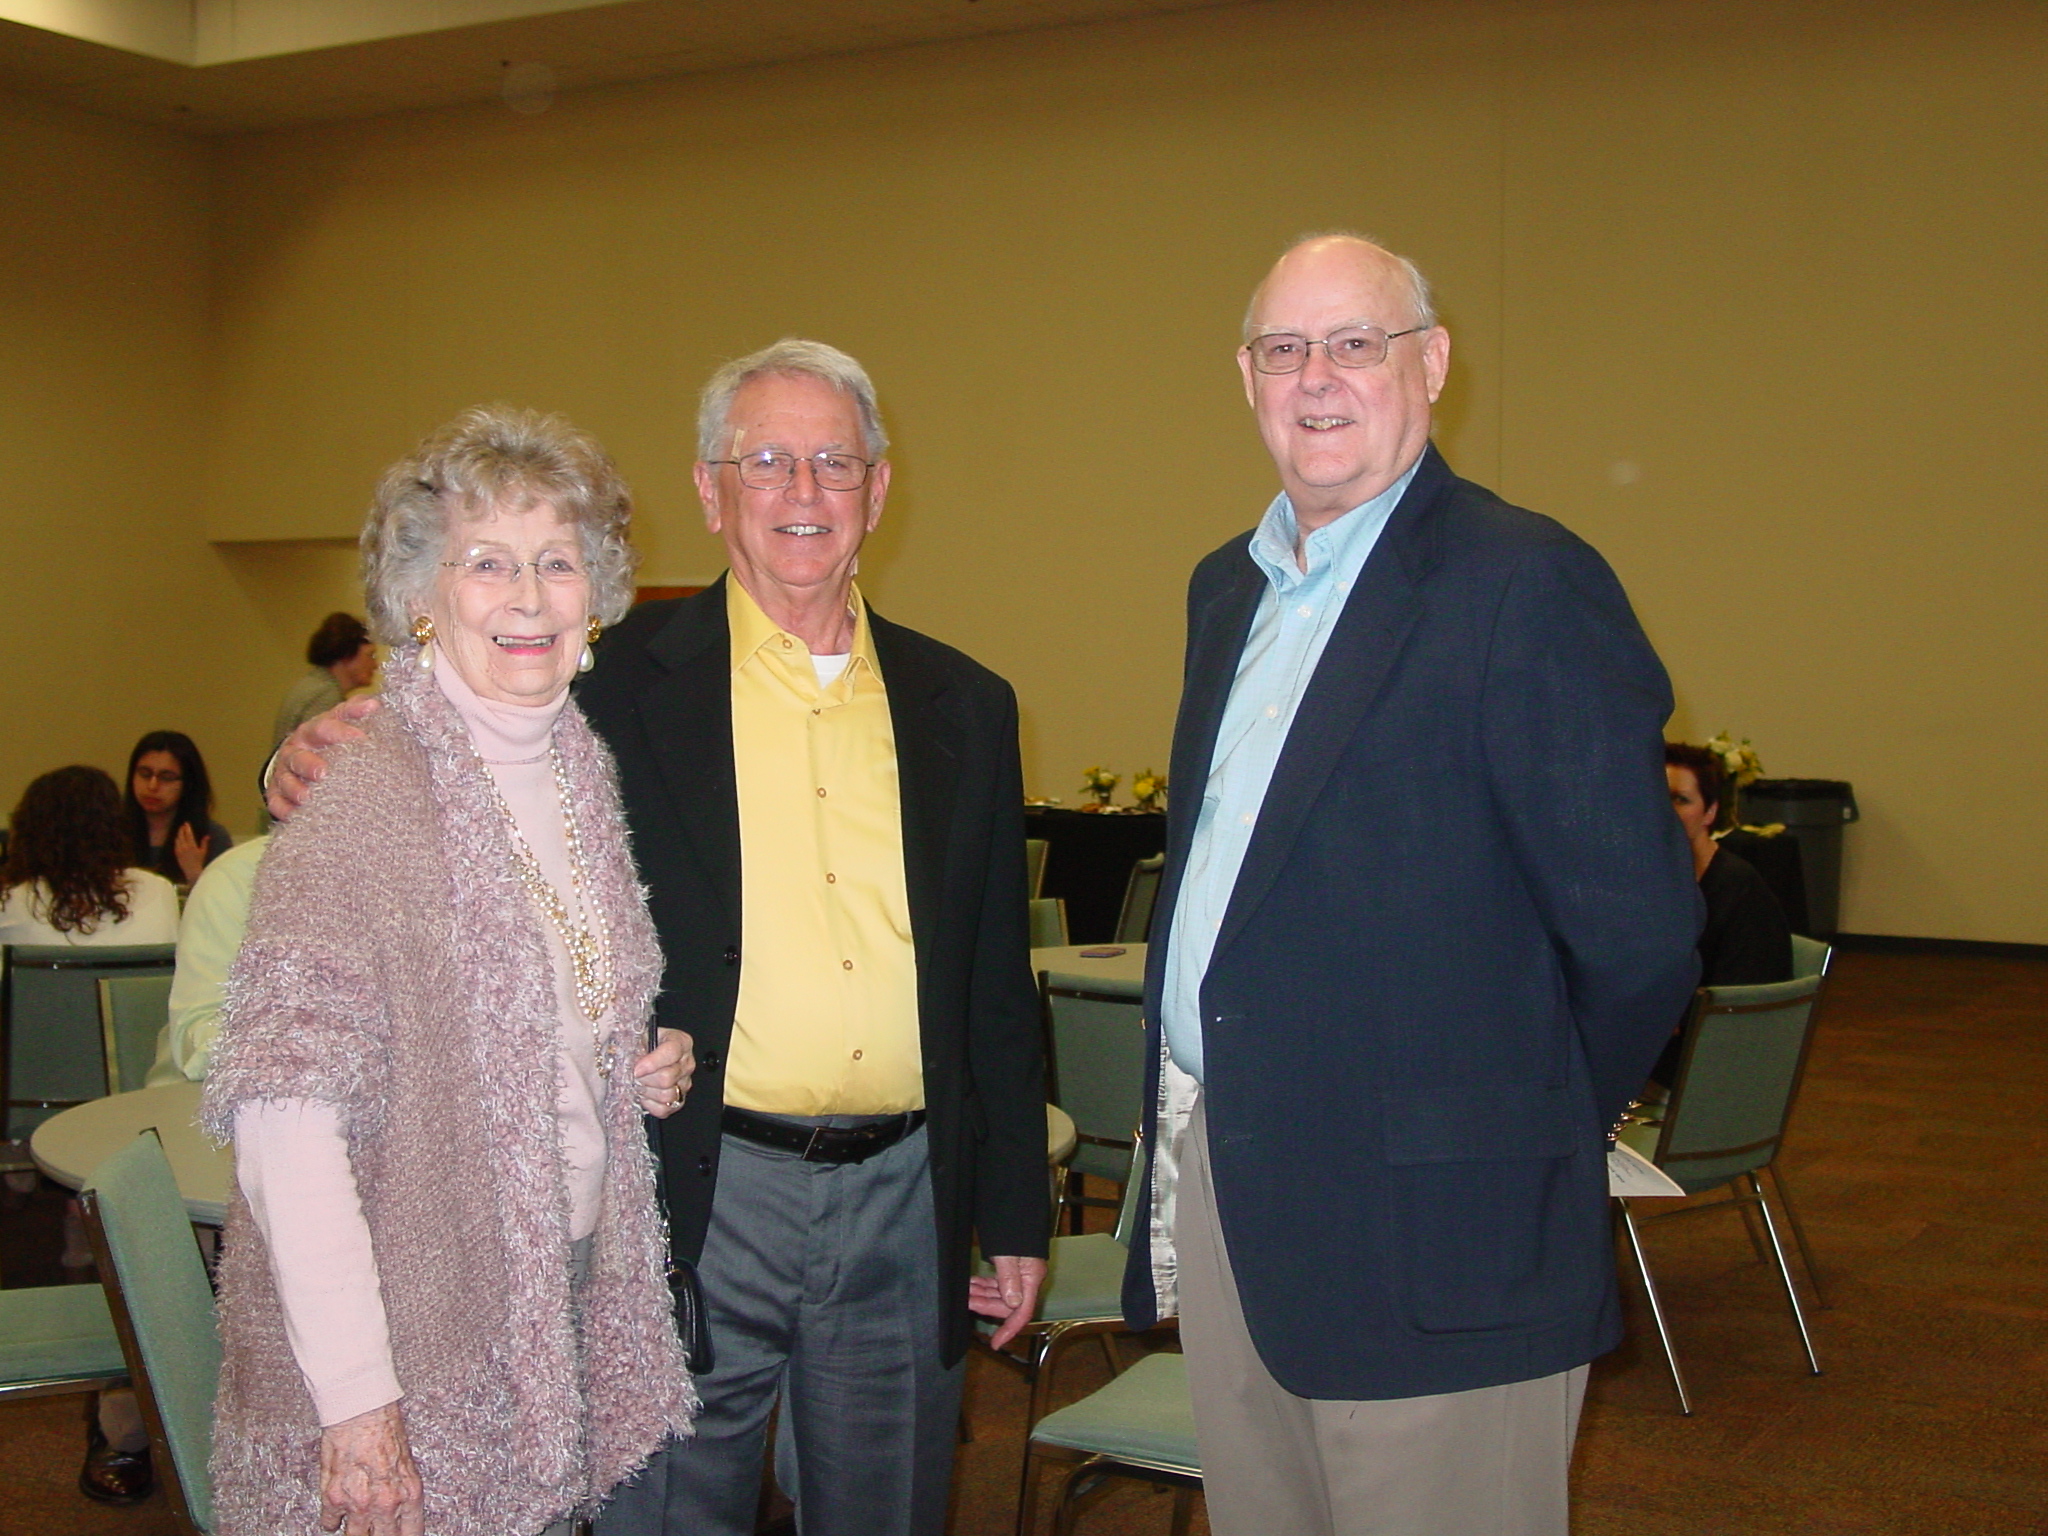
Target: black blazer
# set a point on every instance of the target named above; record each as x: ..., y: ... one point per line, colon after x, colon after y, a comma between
x: 1462, y: 929
x: 661, y: 697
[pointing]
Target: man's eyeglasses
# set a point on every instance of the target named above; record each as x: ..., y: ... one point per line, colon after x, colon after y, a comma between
x: 771, y: 471
x: 1355, y: 346
x: 497, y: 569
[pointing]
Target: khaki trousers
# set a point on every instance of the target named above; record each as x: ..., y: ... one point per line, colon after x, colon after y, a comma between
x: 1488, y: 1462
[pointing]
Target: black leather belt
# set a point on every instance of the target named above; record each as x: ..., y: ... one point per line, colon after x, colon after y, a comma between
x: 822, y: 1143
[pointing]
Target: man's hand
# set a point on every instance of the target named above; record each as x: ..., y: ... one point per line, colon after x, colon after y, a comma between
x: 1010, y: 1293
x: 300, y: 763
x: 368, y: 1483
x: 662, y: 1077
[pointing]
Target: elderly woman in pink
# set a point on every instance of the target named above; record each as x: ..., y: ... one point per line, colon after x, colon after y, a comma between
x: 442, y: 1296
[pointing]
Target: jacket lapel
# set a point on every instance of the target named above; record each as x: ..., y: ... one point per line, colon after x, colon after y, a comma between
x: 929, y: 738
x: 686, y: 718
x: 1362, y: 649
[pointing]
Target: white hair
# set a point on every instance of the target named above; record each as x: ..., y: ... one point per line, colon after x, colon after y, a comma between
x: 791, y: 356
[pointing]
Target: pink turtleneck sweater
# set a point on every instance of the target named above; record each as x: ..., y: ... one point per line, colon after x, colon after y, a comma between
x: 291, y: 1155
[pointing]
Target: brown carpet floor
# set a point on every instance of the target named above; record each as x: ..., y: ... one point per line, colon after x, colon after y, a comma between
x: 1920, y: 1160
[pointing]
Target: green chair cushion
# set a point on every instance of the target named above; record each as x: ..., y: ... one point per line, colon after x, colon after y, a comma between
x: 1143, y: 1415
x: 1085, y: 1278
x: 51, y: 1332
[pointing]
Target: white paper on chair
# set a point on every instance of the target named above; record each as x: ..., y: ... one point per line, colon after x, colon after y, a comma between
x: 1632, y: 1175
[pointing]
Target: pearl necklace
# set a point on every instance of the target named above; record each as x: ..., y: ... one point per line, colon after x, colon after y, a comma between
x: 588, y: 941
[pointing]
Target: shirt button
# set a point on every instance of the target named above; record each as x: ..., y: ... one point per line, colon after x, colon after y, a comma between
x: 787, y: 643
x: 857, y: 1055
x: 1305, y: 611
x: 1246, y: 818
x: 831, y: 879
x: 821, y: 791
x: 704, y: 1167
x: 1272, y: 711
x: 846, y: 965
x: 817, y: 711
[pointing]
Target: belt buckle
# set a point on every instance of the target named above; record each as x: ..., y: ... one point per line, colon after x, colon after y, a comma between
x: 810, y: 1152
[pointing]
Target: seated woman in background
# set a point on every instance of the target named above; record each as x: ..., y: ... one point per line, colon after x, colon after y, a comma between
x: 343, y: 659
x: 170, y: 808
x: 1746, y: 940
x: 67, y: 880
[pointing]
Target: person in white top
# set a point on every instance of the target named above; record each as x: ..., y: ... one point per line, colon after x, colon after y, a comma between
x: 67, y: 880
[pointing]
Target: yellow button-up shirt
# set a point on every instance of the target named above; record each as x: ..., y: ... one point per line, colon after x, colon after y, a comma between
x: 827, y: 1015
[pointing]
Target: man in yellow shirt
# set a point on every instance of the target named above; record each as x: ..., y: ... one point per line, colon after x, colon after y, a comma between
x: 827, y: 809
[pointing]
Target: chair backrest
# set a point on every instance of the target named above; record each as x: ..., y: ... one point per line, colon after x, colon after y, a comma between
x: 52, y: 1049
x: 1034, y: 866
x: 1134, y: 923
x: 1048, y: 922
x: 1132, y: 1210
x: 163, y: 1310
x: 133, y: 1013
x: 1810, y: 957
x: 1095, y: 1053
x: 1744, y: 1054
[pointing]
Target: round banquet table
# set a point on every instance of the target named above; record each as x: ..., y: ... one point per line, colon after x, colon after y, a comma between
x: 68, y: 1146
x: 1122, y: 973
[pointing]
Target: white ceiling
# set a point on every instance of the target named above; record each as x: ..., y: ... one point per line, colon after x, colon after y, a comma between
x: 519, y: 58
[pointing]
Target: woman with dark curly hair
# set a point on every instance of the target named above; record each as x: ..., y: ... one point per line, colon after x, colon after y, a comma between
x: 68, y: 878
x: 170, y: 808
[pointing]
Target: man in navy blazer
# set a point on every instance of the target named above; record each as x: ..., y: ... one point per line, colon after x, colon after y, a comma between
x: 1426, y: 918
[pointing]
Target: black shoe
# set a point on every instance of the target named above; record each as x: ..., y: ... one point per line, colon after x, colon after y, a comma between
x: 114, y: 1477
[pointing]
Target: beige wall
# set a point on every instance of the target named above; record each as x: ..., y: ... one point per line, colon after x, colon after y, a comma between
x: 119, y: 617
x: 1748, y: 294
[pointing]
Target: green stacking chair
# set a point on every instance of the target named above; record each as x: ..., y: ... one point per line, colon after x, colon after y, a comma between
x: 133, y: 1013
x: 1082, y: 1299
x: 52, y: 1046
x: 1048, y: 922
x: 56, y: 1339
x: 1034, y: 866
x: 1142, y: 1425
x: 1738, y: 1076
x: 1141, y: 894
x: 162, y: 1308
x: 1095, y: 1061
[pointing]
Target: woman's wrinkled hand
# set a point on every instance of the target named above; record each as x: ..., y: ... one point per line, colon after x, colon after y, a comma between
x: 301, y: 762
x: 368, y: 1484
x: 661, y: 1078
x: 190, y: 851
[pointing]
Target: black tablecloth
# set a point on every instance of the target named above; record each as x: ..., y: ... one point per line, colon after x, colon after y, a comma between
x: 1088, y: 861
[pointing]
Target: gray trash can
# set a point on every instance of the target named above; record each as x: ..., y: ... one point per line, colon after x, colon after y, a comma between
x: 1814, y: 812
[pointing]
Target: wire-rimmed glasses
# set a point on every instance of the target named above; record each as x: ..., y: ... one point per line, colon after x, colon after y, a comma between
x: 1350, y: 346
x: 771, y: 469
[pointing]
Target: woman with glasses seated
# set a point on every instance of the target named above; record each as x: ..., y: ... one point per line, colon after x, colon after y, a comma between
x: 170, y: 808
x: 442, y: 1295
x: 68, y: 879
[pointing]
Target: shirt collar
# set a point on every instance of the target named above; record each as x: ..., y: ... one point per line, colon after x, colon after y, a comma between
x: 1339, y: 546
x: 752, y: 629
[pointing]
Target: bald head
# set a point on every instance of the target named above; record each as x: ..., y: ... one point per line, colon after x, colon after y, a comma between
x: 1340, y: 435
x: 1337, y: 246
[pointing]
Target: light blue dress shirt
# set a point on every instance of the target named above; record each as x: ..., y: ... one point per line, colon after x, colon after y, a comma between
x: 1295, y: 617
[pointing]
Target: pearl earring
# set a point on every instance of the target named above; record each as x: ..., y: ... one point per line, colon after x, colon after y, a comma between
x: 423, y: 637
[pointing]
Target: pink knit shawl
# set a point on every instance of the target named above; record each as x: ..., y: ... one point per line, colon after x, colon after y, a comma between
x: 396, y: 968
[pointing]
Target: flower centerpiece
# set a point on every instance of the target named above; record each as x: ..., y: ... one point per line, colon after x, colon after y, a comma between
x: 1149, y: 788
x: 1740, y: 767
x: 1101, y: 783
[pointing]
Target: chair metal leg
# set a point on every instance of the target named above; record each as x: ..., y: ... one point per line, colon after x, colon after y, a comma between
x: 1784, y: 1271
x: 1820, y: 1296
x: 1183, y: 1511
x: 1635, y: 1243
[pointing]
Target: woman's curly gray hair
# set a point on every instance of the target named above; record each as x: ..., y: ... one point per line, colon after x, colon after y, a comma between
x: 489, y: 457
